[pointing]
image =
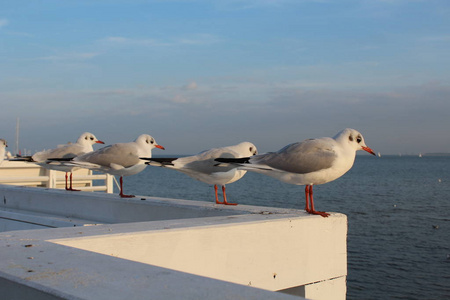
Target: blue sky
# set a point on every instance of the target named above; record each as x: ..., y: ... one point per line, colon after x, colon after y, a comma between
x: 202, y: 74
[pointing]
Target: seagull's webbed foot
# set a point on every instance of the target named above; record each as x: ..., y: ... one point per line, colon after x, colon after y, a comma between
x: 225, y: 202
x: 126, y: 196
x: 225, y: 197
x: 228, y: 203
x: 309, y: 208
x: 320, y: 213
x: 70, y: 188
x: 121, y: 194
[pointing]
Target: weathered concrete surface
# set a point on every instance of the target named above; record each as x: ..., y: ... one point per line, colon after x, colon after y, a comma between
x: 200, y: 250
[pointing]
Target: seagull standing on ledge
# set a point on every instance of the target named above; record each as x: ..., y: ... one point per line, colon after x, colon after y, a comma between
x: 310, y: 162
x: 3, y: 146
x: 202, y: 166
x: 69, y: 151
x: 120, y: 159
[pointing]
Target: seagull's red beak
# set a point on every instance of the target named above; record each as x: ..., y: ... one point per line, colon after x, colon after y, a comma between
x: 160, y: 147
x: 368, y: 150
x: 99, y: 142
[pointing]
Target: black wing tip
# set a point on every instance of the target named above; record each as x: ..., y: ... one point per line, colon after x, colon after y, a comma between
x: 22, y: 158
x: 164, y: 161
x: 243, y: 160
x: 60, y: 159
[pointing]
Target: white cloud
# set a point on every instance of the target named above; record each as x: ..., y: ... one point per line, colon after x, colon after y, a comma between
x: 244, y: 111
x: 192, y: 39
x: 3, y: 22
x: 124, y: 41
x: 179, y: 99
x: 116, y: 39
x: 70, y: 56
x: 436, y: 38
x: 191, y: 86
x: 199, y: 39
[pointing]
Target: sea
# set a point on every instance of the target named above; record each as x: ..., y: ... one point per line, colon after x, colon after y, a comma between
x: 398, y: 210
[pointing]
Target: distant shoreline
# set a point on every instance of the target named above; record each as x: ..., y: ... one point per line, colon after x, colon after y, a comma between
x: 432, y: 154
x: 437, y: 154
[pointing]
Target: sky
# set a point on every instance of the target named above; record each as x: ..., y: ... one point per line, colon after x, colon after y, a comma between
x: 202, y: 74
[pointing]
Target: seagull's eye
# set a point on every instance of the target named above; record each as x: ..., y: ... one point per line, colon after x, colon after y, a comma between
x: 92, y: 138
x: 152, y: 142
x: 359, y: 139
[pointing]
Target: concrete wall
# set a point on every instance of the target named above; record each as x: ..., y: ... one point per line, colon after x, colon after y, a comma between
x: 107, y: 208
x: 273, y: 254
x: 174, y: 248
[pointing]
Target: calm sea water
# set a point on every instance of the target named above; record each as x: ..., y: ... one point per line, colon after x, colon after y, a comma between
x: 398, y: 212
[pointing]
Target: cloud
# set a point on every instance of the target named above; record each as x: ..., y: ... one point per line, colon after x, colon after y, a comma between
x: 223, y: 112
x: 3, y: 22
x: 436, y: 38
x: 233, y: 5
x: 108, y: 93
x: 198, y: 39
x: 120, y: 40
x: 191, y: 86
x: 192, y: 39
x: 116, y: 39
x: 70, y: 56
x: 179, y: 99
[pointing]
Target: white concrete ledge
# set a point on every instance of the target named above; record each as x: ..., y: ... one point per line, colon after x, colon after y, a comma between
x: 169, y: 249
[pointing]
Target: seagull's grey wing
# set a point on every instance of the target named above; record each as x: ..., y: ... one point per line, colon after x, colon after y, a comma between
x: 121, y: 154
x: 205, y: 163
x: 42, y: 156
x: 301, y: 158
x: 67, y: 151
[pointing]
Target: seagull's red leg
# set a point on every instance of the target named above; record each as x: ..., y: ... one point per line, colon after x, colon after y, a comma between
x: 225, y: 197
x: 311, y: 199
x: 217, y: 197
x: 313, y: 211
x: 67, y: 187
x: 70, y: 188
x: 122, y: 195
x: 307, y: 209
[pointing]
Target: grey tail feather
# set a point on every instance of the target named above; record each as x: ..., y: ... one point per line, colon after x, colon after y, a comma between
x: 243, y: 160
x: 164, y: 161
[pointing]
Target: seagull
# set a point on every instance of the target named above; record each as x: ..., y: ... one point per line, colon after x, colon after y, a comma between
x: 120, y: 159
x: 202, y: 166
x: 3, y: 146
x: 82, y: 146
x: 310, y: 162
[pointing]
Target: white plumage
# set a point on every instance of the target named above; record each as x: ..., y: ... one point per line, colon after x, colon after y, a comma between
x: 310, y: 162
x: 83, y: 145
x: 203, y: 165
x: 120, y: 159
